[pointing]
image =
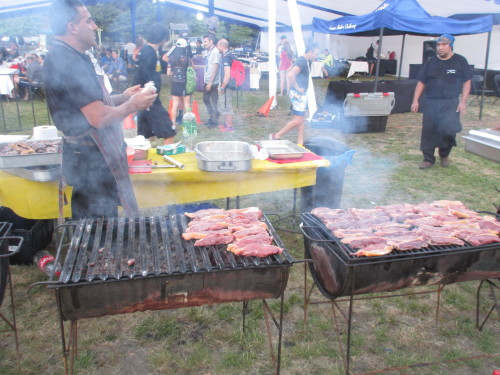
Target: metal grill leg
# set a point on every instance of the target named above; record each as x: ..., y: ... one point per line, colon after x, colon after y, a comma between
x: 279, y: 324
x: 495, y: 305
x: 12, y: 324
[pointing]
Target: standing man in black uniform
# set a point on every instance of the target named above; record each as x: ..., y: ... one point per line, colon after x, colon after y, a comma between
x: 441, y: 80
x: 94, y: 160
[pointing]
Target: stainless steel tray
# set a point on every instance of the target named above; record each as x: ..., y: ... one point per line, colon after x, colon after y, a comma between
x: 39, y: 174
x: 30, y: 160
x: 224, y: 156
x: 282, y: 149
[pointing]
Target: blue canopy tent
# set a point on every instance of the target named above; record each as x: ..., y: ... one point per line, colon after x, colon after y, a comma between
x: 401, y: 17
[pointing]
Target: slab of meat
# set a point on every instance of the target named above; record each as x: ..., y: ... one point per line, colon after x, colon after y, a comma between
x: 260, y: 238
x: 254, y: 212
x: 257, y: 249
x: 481, y: 239
x: 215, y: 239
x: 444, y: 241
x: 201, y: 226
x: 489, y: 224
x: 405, y: 244
x: 360, y: 242
x: 374, y: 250
x: 204, y: 213
x: 362, y: 232
x: 242, y: 233
x: 201, y: 234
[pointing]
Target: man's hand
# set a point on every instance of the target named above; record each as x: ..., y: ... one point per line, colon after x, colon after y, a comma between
x: 462, y: 108
x: 208, y: 87
x: 414, y: 106
x: 143, y: 99
x: 131, y: 91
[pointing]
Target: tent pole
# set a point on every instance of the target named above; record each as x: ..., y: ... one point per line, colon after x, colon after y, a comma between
x: 484, y: 74
x: 381, y: 35
x: 401, y: 58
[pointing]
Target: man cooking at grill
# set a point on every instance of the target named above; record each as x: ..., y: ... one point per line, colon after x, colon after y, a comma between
x: 441, y: 80
x: 94, y: 158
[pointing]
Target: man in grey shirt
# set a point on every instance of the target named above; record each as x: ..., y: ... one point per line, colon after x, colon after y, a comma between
x: 212, y: 80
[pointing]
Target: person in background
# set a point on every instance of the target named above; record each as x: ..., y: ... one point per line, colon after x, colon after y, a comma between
x: 212, y: 79
x: 225, y: 102
x: 299, y: 83
x: 179, y: 59
x: 286, y: 59
x: 328, y: 64
x: 41, y: 59
x: 106, y: 60
x: 117, y: 71
x: 94, y: 157
x: 199, y: 48
x: 32, y: 77
x: 441, y: 81
x: 129, y: 49
x: 156, y: 121
x: 138, y: 46
x: 370, y: 56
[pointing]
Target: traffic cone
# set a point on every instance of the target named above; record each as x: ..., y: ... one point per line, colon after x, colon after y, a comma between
x: 264, y: 110
x: 195, y: 111
x: 129, y: 122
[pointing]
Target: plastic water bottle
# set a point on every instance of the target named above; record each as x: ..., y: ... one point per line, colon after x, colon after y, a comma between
x: 46, y: 262
x: 189, y: 129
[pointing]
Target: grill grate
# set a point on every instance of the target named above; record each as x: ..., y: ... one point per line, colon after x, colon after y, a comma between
x: 102, y: 249
x: 346, y: 252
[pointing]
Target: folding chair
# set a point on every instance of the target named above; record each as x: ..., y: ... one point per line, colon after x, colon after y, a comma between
x: 497, y: 86
x: 477, y: 89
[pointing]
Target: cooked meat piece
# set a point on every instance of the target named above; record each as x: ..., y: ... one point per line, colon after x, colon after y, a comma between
x: 429, y: 221
x: 444, y: 241
x: 489, y: 224
x: 256, y: 249
x: 202, y: 227
x: 449, y: 204
x: 341, y: 233
x: 402, y: 217
x: 204, y: 213
x: 374, y: 250
x: 201, y: 234
x: 242, y: 233
x: 360, y: 242
x: 260, y: 238
x: 481, y: 239
x: 212, y: 221
x: 214, y: 239
x: 249, y: 212
x: 405, y: 244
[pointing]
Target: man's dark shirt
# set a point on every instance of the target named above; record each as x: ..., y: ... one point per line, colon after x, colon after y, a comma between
x: 71, y: 84
x: 444, y: 79
x: 146, y: 70
x: 302, y: 77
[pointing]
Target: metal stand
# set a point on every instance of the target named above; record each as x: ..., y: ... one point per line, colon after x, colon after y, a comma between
x: 12, y: 323
x: 493, y: 287
x: 345, y: 353
x: 69, y: 341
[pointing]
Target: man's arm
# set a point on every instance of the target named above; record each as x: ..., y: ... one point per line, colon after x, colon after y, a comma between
x: 419, y: 89
x: 214, y: 72
x: 462, y: 106
x: 291, y: 75
x: 99, y: 115
x: 227, y: 77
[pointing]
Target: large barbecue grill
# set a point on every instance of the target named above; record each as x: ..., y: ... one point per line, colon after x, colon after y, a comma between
x: 144, y: 264
x: 337, y: 272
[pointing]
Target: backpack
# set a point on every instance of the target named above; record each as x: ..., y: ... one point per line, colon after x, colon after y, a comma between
x: 190, y: 80
x: 237, y: 74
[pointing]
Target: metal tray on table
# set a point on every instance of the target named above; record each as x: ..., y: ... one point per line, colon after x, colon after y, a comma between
x: 282, y: 149
x: 38, y: 174
x: 223, y: 156
x: 30, y: 160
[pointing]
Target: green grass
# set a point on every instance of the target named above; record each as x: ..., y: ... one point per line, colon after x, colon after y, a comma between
x: 397, y: 331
